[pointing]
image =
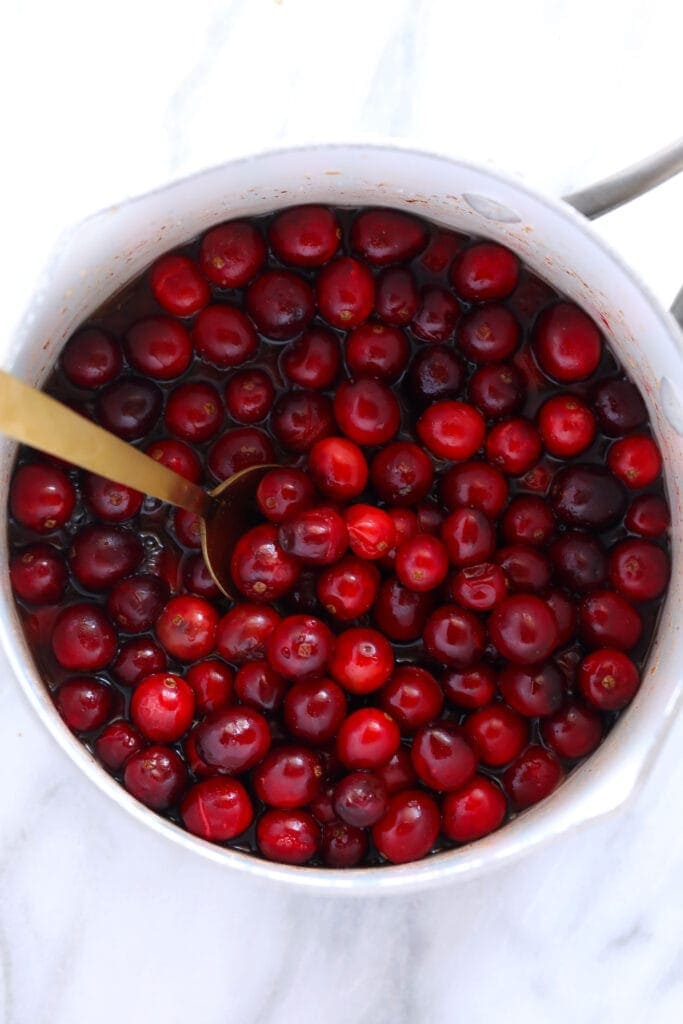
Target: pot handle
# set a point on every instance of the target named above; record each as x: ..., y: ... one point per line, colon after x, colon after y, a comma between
x: 633, y: 181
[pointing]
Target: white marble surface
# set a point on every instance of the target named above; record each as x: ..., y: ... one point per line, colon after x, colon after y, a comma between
x: 101, y: 921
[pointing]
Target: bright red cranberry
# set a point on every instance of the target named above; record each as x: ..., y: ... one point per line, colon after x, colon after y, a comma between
x: 638, y: 569
x: 301, y: 418
x: 187, y: 628
x: 402, y: 473
x: 42, y: 497
x: 316, y: 536
x: 346, y: 292
x: 398, y: 772
x: 360, y: 799
x: 497, y: 390
x: 193, y: 411
x: 281, y: 304
x: 377, y: 350
x: 338, y: 468
x: 238, y: 449
x: 178, y: 457
x: 314, y: 710
x: 525, y: 567
x: 159, y: 347
x: 580, y: 560
x: 532, y: 777
x: 443, y: 757
x: 648, y: 516
x: 587, y: 495
x: 619, y: 407
x: 348, y: 589
x: 136, y: 659
x: 574, y: 731
x: 162, y: 707
x: 422, y: 562
x: 129, y: 407
x: 469, y: 537
x: 217, y: 809
x: 261, y: 569
x: 471, y: 688
x: 489, y: 334
x: 197, y: 578
x: 367, y: 411
x: 83, y: 639
x: 484, y: 271
x: 102, y: 555
x: 399, y: 613
x: 116, y: 743
x: 84, y: 703
x: 566, y: 425
x: 387, y: 236
x: 243, y: 632
x: 313, y: 360
x: 475, y: 485
x: 233, y: 739
x: 567, y: 343
x: 290, y: 837
x: 498, y: 733
x: 608, y: 679
x: 473, y: 811
x: 368, y: 738
x: 304, y: 236
x: 362, y: 661
x: 343, y: 846
x: 523, y: 629
x: 91, y: 358
x: 212, y: 684
x: 397, y: 298
x: 288, y: 777
x: 535, y: 692
x: 409, y: 828
x: 607, y: 619
x: 514, y: 445
x: 371, y: 530
x: 454, y: 637
x: 134, y: 604
x: 231, y: 254
x: 300, y: 647
x: 284, y: 492
x: 412, y: 697
x: 451, y: 430
x: 635, y: 461
x: 258, y: 686
x: 178, y: 285
x: 437, y: 315
x: 436, y: 373
x: 110, y: 501
x: 479, y: 587
x: 187, y: 528
x: 156, y: 776
x: 565, y: 614
x: 224, y: 335
x: 38, y: 574
x: 528, y: 520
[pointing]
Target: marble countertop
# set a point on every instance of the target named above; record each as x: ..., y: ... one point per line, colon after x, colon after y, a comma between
x: 102, y: 921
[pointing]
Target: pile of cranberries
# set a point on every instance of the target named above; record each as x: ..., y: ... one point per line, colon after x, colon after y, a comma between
x: 453, y: 576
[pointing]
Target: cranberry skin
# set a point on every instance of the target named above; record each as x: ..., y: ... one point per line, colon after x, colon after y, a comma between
x: 437, y: 315
x: 348, y: 589
x: 397, y: 298
x: 525, y: 567
x: 217, y: 809
x: 187, y: 628
x: 135, y: 603
x: 136, y: 659
x: 436, y: 373
x: 301, y: 418
x: 422, y: 562
x: 367, y: 411
x: 162, y: 707
x: 156, y: 776
x: 532, y: 777
x: 338, y: 468
x: 116, y: 743
x: 479, y: 587
x: 129, y: 407
x: 402, y: 473
x: 290, y: 837
x: 471, y: 688
x: 231, y: 254
x: 284, y: 492
x: 360, y: 799
x: 300, y: 647
x: 193, y: 412
x: 288, y: 777
x: 197, y: 579
x: 42, y: 497
x: 258, y: 686
x: 362, y: 661
x: 38, y: 574
x: 281, y: 304
x: 608, y: 679
x: 83, y: 639
x: 607, y: 619
x: 454, y: 637
x: 573, y: 732
x: 451, y: 430
x: 346, y: 292
x: 412, y: 697
x: 176, y: 456
x: 224, y: 335
x: 100, y: 556
x: 233, y: 739
x: 580, y: 561
x: 638, y: 569
x: 497, y: 390
x: 528, y: 520
x: 587, y: 495
x: 475, y: 485
x: 523, y: 629
x: 387, y: 236
x: 567, y: 343
x: 317, y: 536
x: 566, y: 425
x: 399, y: 613
x: 212, y: 685
x: 409, y: 828
x: 469, y: 537
x: 534, y: 692
x: 498, y: 733
x: 91, y: 358
x: 473, y: 811
x: 372, y: 533
x: 648, y: 516
x: 484, y: 271
x: 377, y: 350
x: 368, y: 738
x: 313, y: 360
x: 514, y: 446
x: 304, y: 236
x: 84, y: 703
x: 635, y: 461
x: 158, y: 347
x: 489, y: 334
x: 619, y: 407
x: 110, y: 501
x: 238, y: 449
x: 178, y: 286
x: 343, y: 846
x: 260, y: 568
x: 314, y: 710
x: 243, y: 632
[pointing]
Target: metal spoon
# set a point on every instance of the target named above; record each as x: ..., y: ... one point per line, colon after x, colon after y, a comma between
x: 30, y: 416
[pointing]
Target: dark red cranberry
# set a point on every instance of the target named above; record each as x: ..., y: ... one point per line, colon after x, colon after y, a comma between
x: 398, y: 772
x: 362, y: 660
x: 38, y: 574
x: 301, y: 418
x: 475, y: 485
x: 567, y: 343
x: 42, y: 497
x: 316, y: 536
x: 243, y: 632
x: 528, y: 520
x: 135, y: 603
x: 532, y: 777
x: 129, y: 407
x: 430, y: 518
x: 648, y: 516
x: 367, y: 411
x: 489, y: 334
x: 399, y: 613
x: 158, y: 347
x: 217, y: 809
x: 304, y: 236
x: 346, y: 292
x: 371, y: 530
x: 607, y: 619
x: 454, y: 637
x: 638, y: 569
x: 187, y: 628
x: 574, y: 731
x: 498, y: 733
x: 288, y: 777
x: 212, y: 684
x: 281, y: 304
x: 343, y: 846
x: 84, y: 703
x: 473, y: 811
x: 535, y: 692
x: 443, y: 757
x: 136, y: 659
x: 232, y: 253
x: 110, y: 501
x: 300, y: 647
x: 368, y: 738
x: 469, y: 536
x: 348, y: 589
x: 387, y: 236
x: 178, y: 285
x: 479, y: 587
x: 233, y: 739
x: 523, y: 629
x: 470, y: 688
x: 187, y: 528
x: 406, y: 526
x: 514, y: 445
x: 284, y: 492
x: 261, y: 569
x: 402, y: 473
x: 162, y: 707
x: 525, y: 567
x: 156, y: 776
x: 193, y: 411
x: 338, y: 468
x: 377, y: 350
x: 178, y: 457
x: 116, y: 743
x: 442, y: 247
x: 238, y: 449
x: 224, y: 335
x: 422, y: 562
x: 249, y: 395
x: 290, y: 837
x: 409, y: 828
x: 397, y: 298
x: 608, y: 679
x: 102, y: 555
x: 412, y: 697
x: 564, y: 611
x: 635, y: 461
x: 580, y: 560
x: 566, y: 425
x: 83, y: 639
x: 587, y: 495
x: 451, y: 430
x: 313, y: 360
x: 436, y: 373
x: 484, y: 271
x: 91, y: 358
x: 314, y: 710
x: 360, y: 799
x: 258, y: 686
x: 437, y: 315
x: 497, y: 390
x: 197, y: 579
x: 619, y: 407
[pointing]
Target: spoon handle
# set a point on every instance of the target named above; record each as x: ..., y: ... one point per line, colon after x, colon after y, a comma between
x: 34, y: 418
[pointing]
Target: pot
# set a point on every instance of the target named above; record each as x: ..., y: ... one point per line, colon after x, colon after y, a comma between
x: 100, y: 255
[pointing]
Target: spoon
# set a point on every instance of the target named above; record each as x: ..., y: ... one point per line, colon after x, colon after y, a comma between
x: 225, y: 513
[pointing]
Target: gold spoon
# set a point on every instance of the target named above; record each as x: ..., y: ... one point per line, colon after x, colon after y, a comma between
x: 224, y: 513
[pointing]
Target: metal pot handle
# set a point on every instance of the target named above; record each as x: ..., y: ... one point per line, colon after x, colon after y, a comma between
x: 633, y: 181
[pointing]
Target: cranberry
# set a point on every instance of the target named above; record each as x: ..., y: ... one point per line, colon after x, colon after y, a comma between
x: 301, y: 418
x: 178, y: 285
x: 580, y: 560
x: 42, y: 497
x: 261, y: 569
x: 376, y: 350
x: 451, y: 430
x: 217, y: 809
x: 360, y: 799
x: 91, y: 358
x: 523, y: 629
x: 129, y: 407
x: 304, y: 236
x: 232, y: 253
x: 535, y: 692
x: 635, y: 461
x: 243, y: 632
x: 159, y: 347
x: 436, y: 372
x: 288, y: 777
x: 188, y: 528
x: 38, y: 574
x: 343, y: 846
x: 102, y: 555
x: 406, y: 526
x: 387, y: 236
x: 648, y: 516
x: 238, y: 449
x: 479, y: 587
x: 83, y: 639
x: 291, y: 837
x: 443, y: 757
x: 513, y: 445
x: 193, y: 412
x: 212, y: 685
x: 587, y: 495
x: 608, y: 679
x: 567, y: 426
x: 233, y: 739
x: 397, y: 298
x: 402, y: 473
x: 437, y: 315
x: 346, y: 292
x: 607, y: 619
x: 567, y: 343
x: 475, y: 485
x: 178, y: 457
x: 528, y: 520
x: 371, y: 531
x: 471, y: 688
x: 314, y: 710
x: 313, y: 360
x: 162, y: 707
x: 348, y: 589
x: 368, y: 738
x: 489, y: 334
x: 317, y: 536
x: 409, y: 828
x: 116, y: 743
x: 197, y: 578
x: 454, y: 637
x: 532, y: 777
x: 300, y: 647
x: 469, y: 536
x: 484, y: 271
x: 497, y: 390
x: 430, y: 518
x: 398, y: 772
x: 258, y: 686
x: 442, y: 247
x: 412, y: 697
x: 187, y: 628
x: 110, y: 501
x: 498, y: 733
x: 367, y: 411
x: 525, y: 567
x: 422, y: 562
x: 401, y: 614
x: 156, y: 776
x: 638, y: 569
x: 224, y: 336
x: 284, y: 492
x: 574, y: 731
x: 338, y: 468
x: 362, y: 661
x: 281, y: 304
x: 84, y: 703
x: 136, y: 659
x: 565, y: 614
x: 619, y: 407
x: 135, y: 603
x: 473, y: 811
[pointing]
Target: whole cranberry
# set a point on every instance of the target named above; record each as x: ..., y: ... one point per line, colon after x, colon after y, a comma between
x: 371, y: 531
x: 110, y: 501
x: 532, y: 777
x: 525, y: 567
x: 441, y: 249
x: 523, y: 629
x: 300, y: 647
x: 348, y: 589
x: 387, y: 236
x: 284, y: 492
x: 402, y: 473
x: 193, y: 411
x: 134, y: 604
x: 238, y: 449
x: 217, y: 809
x: 316, y: 536
x: 84, y: 703
x: 579, y: 560
x: 443, y: 757
x: 607, y: 619
x: 528, y: 519
x: 187, y: 628
x: 129, y: 407
x: 232, y: 253
x: 484, y: 271
x: 638, y: 569
x: 437, y: 316
x: 178, y: 285
x: 162, y: 707
x: 212, y: 684
x: 648, y: 516
x: 158, y: 347
x: 258, y: 686
x: 314, y: 710
x: 233, y: 739
x: 290, y: 837
x: 338, y: 468
x: 343, y: 846
x: 281, y: 304
x: 475, y: 485
x: 619, y: 407
x: 136, y: 659
x: 197, y: 578
x: 470, y: 688
x: 451, y: 430
x: 304, y: 236
x: 360, y: 799
x: 91, y: 358
x: 42, y: 497
x: 288, y: 777
x: 362, y: 661
x: 313, y: 360
x: 300, y: 418
x: 566, y: 425
x: 397, y: 298
x: 635, y: 461
x: 535, y: 692
x: 567, y: 343
x: 422, y: 562
x: 102, y: 555
x: 399, y: 613
x: 514, y: 445
x: 83, y: 639
x: 430, y: 518
x: 473, y: 811
x: 224, y: 336
x: 469, y: 536
x: 187, y: 526
x: 346, y: 292
x: 412, y: 697
x: 377, y: 350
x: 116, y: 743
x: 406, y: 526
x: 489, y: 334
x: 176, y: 456
x: 454, y: 637
x: 574, y: 731
x: 564, y: 610
x: 436, y: 372
x: 409, y: 828
x: 498, y: 733
x: 587, y: 495
x: 367, y: 411
x: 156, y: 776
x: 479, y: 587
x: 608, y: 679
x: 497, y: 390
x: 368, y: 738
x: 261, y: 569
x: 398, y: 772
x: 38, y: 574
x: 242, y: 633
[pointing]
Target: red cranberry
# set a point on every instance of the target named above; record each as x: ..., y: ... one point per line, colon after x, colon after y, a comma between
x: 197, y: 578
x: 136, y: 659
x: 338, y: 468
x: 343, y: 846
x: 473, y: 811
x: 313, y: 360
x: 442, y: 756
x: 243, y: 632
x: 532, y: 777
x: 260, y: 568
x: 233, y: 739
x: 360, y: 799
x: 471, y: 688
x: 178, y: 457
x: 348, y: 589
x: 451, y: 430
x: 437, y: 315
x: 513, y: 445
x: 479, y: 587
x: 159, y: 347
x: 290, y: 837
x: 489, y: 334
x: 430, y: 518
x: 469, y: 536
x: 362, y: 661
x: 371, y: 530
x: 300, y: 647
x: 454, y: 637
x: 187, y: 628
x: 102, y: 555
x: 212, y: 685
x: 91, y: 358
x: 638, y: 569
x: 567, y: 343
x: 484, y: 271
x: 129, y: 407
x: 317, y: 536
x: 224, y: 336
x: 387, y: 236
x: 304, y: 236
x: 399, y: 613
x: 368, y: 738
x: 116, y: 743
x: 135, y: 603
x: 587, y: 495
x: 346, y: 292
x: 402, y: 473
x: 238, y: 449
x: 567, y: 426
x: 376, y: 350
x: 301, y: 418
x: 42, y: 497
x: 580, y: 560
x: 82, y: 638
x: 475, y: 485
x: 406, y: 526
x: 178, y: 286
x: 84, y: 703
x: 619, y: 407
x: 412, y: 697
x: 193, y: 412
x: 108, y: 500
x: 162, y: 707
x: 217, y: 809
x: 187, y: 528
x: 281, y: 304
x: 231, y: 254
x: 528, y: 520
x: 525, y: 567
x: 648, y: 516
x: 635, y: 461
x: 498, y: 733
x: 397, y: 298
x: 367, y: 411
x: 535, y: 692
x: 523, y: 629
x: 38, y: 574
x: 565, y: 614
x: 398, y: 772
x: 574, y: 731
x: 442, y: 247
x: 314, y: 710
x: 284, y: 492
x: 436, y: 373
x: 608, y: 679
x: 422, y: 562
x: 156, y: 776
x: 409, y: 828
x: 258, y: 686
x: 288, y: 777
x: 607, y: 619
x: 497, y: 390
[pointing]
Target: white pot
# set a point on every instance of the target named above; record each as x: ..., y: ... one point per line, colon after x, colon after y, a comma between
x: 107, y: 250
